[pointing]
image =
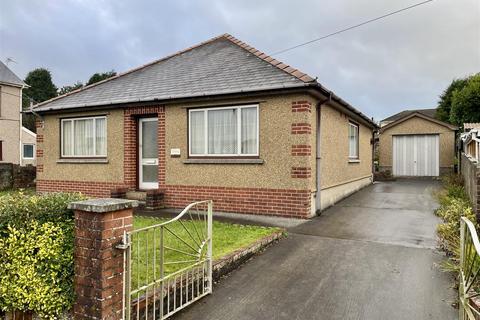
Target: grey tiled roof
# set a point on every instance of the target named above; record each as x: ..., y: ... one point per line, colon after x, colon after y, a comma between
x: 216, y: 67
x: 7, y: 76
x: 426, y: 112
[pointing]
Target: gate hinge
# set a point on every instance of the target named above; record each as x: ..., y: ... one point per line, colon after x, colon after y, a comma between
x: 122, y: 246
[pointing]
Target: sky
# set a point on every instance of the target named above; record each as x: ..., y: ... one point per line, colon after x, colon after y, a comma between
x: 402, y: 62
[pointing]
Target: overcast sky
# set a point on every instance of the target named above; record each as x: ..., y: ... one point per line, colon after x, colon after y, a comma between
x: 402, y: 62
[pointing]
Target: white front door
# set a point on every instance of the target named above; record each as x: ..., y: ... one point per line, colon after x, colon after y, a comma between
x: 416, y: 155
x: 148, y: 153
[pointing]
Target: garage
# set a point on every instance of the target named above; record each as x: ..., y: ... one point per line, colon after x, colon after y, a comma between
x: 413, y: 143
x: 416, y: 155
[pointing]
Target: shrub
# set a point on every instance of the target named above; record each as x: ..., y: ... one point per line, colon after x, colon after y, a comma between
x: 454, y: 204
x: 36, y: 250
x: 37, y: 269
x: 18, y: 210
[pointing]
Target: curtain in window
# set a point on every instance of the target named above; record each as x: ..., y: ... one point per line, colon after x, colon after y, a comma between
x: 101, y: 137
x: 84, y: 135
x: 222, y: 131
x: 67, y: 138
x: 197, y: 132
x: 249, y: 130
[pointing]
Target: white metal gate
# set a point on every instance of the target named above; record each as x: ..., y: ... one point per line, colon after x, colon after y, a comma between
x: 168, y: 266
x: 416, y: 155
x: 469, y: 273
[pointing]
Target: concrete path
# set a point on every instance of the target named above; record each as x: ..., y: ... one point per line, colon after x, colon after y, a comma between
x: 371, y: 256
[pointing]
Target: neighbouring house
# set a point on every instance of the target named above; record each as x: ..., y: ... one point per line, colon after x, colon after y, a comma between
x: 414, y: 143
x: 220, y: 120
x: 471, y: 141
x: 17, y: 144
x: 469, y: 147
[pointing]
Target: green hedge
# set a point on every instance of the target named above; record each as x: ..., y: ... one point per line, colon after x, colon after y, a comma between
x: 36, y: 250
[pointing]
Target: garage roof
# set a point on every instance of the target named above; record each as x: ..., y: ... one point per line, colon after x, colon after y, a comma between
x: 420, y: 115
x: 428, y: 112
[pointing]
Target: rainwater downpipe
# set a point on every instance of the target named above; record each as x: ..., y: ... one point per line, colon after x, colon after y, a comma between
x: 318, y: 152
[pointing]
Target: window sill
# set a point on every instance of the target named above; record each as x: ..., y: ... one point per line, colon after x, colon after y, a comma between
x: 353, y: 160
x: 80, y: 160
x: 223, y: 161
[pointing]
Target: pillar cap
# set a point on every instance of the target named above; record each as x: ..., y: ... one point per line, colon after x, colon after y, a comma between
x: 103, y: 205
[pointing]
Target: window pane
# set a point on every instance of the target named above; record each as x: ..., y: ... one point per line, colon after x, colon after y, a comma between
x: 249, y: 130
x: 67, y: 146
x: 101, y: 137
x: 222, y: 131
x: 150, y: 173
x: 197, y: 132
x: 28, y: 150
x: 353, y: 141
x: 149, y: 139
x: 84, y: 135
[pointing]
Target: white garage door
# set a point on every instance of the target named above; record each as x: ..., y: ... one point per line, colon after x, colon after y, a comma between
x: 415, y: 155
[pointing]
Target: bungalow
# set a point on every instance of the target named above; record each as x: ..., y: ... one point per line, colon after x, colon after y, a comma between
x: 220, y: 120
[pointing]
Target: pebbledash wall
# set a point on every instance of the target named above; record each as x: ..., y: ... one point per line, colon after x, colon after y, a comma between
x: 339, y: 175
x: 284, y: 184
x: 417, y: 125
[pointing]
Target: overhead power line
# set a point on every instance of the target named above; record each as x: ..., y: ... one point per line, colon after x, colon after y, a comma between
x: 352, y: 27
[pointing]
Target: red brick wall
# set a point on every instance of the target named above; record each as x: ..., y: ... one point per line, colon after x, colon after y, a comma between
x: 283, y: 202
x: 288, y: 203
x: 98, y: 265
x: 89, y: 188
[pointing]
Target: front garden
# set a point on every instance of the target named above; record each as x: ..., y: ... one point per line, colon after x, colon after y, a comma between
x: 36, y: 250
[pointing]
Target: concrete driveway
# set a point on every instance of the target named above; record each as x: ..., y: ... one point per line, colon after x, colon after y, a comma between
x: 371, y: 256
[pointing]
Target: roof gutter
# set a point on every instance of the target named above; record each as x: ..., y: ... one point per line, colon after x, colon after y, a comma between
x: 333, y: 97
x: 170, y: 99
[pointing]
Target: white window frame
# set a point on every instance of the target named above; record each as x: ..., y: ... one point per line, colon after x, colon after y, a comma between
x: 357, y: 156
x: 239, y: 132
x: 94, y: 139
x: 23, y: 151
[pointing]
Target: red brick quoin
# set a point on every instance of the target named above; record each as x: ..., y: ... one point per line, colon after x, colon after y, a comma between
x: 301, y: 128
x: 301, y: 150
x: 301, y: 106
x: 301, y: 172
x: 99, y: 266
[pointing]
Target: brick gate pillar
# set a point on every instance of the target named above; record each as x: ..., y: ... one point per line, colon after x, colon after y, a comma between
x: 99, y: 266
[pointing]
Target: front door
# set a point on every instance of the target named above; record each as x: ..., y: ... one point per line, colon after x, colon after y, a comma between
x: 148, y: 153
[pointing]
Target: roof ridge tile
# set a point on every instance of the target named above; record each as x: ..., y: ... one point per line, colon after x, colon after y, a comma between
x: 265, y: 57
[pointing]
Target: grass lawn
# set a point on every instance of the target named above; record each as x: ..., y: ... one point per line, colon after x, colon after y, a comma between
x: 227, y: 238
